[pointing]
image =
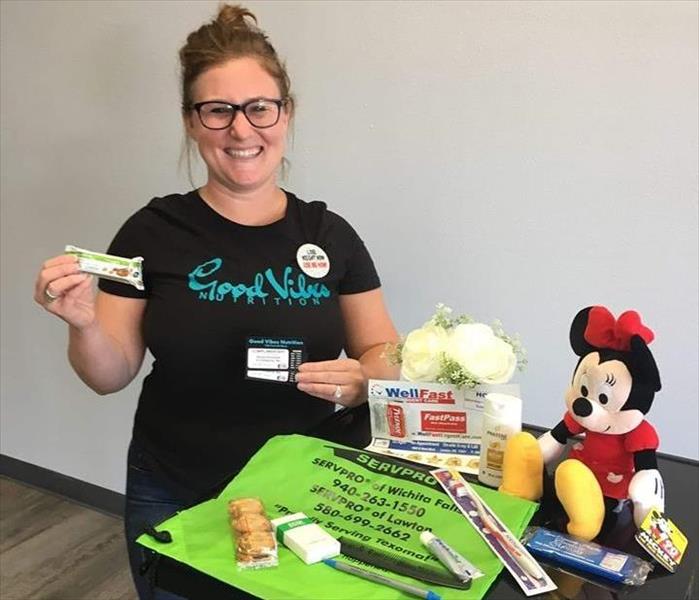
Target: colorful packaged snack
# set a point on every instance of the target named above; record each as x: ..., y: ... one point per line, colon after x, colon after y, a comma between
x: 116, y: 268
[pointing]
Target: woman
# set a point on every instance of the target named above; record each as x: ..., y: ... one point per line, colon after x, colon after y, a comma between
x: 237, y: 261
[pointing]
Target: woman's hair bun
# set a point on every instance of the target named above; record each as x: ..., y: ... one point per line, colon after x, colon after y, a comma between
x: 232, y: 34
x: 233, y: 16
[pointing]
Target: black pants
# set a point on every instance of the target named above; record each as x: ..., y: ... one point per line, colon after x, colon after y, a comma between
x: 151, y: 497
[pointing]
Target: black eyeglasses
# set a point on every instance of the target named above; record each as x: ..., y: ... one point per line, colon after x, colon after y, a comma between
x: 260, y: 112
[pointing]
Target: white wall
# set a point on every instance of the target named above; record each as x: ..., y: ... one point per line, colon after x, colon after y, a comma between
x: 517, y: 160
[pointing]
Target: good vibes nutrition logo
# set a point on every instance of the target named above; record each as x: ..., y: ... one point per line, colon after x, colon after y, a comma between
x: 267, y: 287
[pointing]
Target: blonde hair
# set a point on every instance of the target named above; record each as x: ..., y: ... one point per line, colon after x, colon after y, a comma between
x: 232, y: 34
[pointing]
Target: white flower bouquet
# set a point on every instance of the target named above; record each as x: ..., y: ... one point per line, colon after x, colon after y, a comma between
x: 458, y: 351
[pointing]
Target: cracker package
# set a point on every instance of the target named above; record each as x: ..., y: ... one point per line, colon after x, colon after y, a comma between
x: 255, y: 544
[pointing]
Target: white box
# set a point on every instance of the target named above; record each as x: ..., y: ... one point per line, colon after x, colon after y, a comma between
x: 305, y: 538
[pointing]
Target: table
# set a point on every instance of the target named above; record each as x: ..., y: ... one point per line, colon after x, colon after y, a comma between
x: 681, y: 478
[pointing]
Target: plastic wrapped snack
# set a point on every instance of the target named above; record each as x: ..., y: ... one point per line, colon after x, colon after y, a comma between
x: 245, y: 505
x: 251, y: 523
x: 256, y: 549
x: 255, y: 545
x: 116, y: 268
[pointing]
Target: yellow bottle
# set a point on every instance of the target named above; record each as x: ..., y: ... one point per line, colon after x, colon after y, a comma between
x: 502, y: 418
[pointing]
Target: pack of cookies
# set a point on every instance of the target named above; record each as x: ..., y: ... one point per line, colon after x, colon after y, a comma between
x: 255, y: 544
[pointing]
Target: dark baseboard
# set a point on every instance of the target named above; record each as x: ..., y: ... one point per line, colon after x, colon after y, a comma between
x: 79, y: 491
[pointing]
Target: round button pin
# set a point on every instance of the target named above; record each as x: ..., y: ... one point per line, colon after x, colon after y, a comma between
x: 313, y: 260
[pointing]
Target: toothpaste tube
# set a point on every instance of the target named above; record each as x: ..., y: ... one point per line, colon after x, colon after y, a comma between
x: 116, y: 268
x: 449, y: 557
x: 562, y: 549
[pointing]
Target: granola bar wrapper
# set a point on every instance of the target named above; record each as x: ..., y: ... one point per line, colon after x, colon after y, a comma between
x: 106, y: 266
x: 255, y: 544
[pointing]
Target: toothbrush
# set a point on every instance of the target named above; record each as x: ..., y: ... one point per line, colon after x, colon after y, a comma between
x: 506, y: 539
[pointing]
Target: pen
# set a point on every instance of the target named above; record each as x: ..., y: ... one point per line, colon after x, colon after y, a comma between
x: 398, y: 585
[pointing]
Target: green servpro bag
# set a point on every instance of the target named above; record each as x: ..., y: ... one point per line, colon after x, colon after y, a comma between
x: 373, y: 499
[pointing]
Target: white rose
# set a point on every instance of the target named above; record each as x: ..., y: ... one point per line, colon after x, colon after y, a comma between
x: 480, y: 352
x: 421, y: 353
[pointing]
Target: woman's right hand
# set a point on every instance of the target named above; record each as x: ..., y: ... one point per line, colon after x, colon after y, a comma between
x: 64, y: 291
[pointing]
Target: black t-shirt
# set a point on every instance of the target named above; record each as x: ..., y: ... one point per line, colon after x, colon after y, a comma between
x: 210, y: 284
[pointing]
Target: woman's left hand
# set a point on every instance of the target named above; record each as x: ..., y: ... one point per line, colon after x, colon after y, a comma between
x: 340, y: 381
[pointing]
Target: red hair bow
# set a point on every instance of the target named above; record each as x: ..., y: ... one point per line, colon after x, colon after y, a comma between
x: 604, y: 331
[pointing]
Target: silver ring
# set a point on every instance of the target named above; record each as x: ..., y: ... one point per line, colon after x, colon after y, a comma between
x: 49, y: 296
x: 338, y: 392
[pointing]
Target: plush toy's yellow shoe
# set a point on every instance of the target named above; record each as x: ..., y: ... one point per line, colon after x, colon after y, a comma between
x: 523, y: 467
x: 581, y: 496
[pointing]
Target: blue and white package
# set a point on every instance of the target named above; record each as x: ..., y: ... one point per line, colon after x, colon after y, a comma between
x: 562, y: 549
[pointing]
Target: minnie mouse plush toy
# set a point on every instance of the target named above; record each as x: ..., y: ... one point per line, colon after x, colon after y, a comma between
x: 612, y: 389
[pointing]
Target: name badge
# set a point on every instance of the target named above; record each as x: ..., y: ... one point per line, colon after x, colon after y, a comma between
x: 274, y: 359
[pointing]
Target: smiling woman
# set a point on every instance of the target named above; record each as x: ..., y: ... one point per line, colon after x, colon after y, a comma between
x: 242, y: 152
x: 234, y: 262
